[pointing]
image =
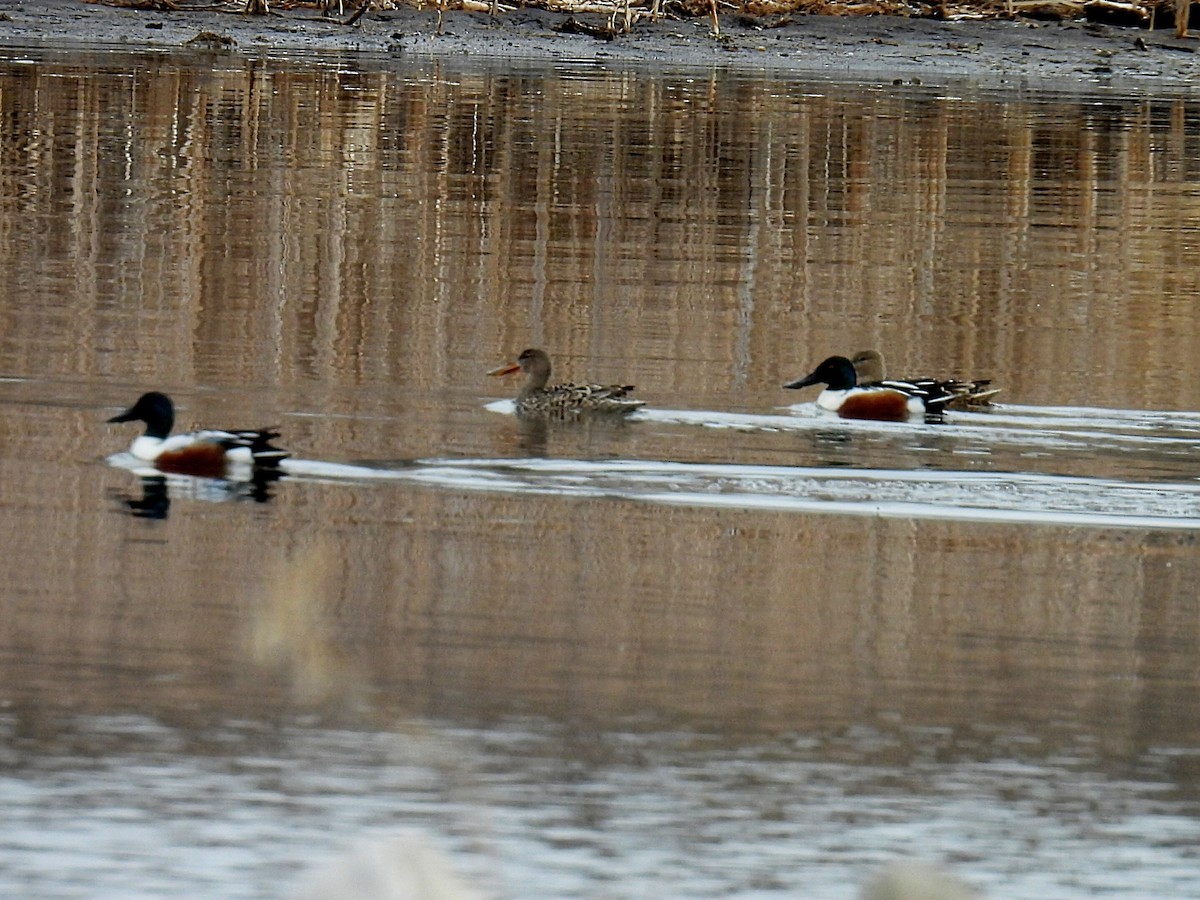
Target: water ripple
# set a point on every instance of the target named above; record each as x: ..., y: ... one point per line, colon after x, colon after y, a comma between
x: 931, y: 486
x: 899, y: 493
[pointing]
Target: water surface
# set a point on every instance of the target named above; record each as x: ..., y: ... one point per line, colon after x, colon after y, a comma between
x: 725, y: 648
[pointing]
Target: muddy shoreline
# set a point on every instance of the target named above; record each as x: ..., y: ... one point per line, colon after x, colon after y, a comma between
x: 1067, y: 57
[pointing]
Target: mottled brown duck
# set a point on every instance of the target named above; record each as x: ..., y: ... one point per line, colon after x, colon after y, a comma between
x: 963, y: 393
x: 564, y: 400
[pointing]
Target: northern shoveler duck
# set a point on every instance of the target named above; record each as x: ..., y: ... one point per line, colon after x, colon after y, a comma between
x: 564, y: 400
x: 885, y: 402
x: 965, y: 393
x: 206, y: 454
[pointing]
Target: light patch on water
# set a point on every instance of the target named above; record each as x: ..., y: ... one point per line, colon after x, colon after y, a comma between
x: 998, y: 497
x: 1038, y: 427
x: 1041, y: 427
x: 905, y: 493
x: 114, y: 810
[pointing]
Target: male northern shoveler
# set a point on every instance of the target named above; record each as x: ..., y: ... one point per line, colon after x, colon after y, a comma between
x: 964, y: 394
x: 206, y: 454
x: 535, y: 399
x: 886, y: 402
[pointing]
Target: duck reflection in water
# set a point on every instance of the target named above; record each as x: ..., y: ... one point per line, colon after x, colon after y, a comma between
x: 541, y: 436
x: 532, y: 433
x: 155, y: 501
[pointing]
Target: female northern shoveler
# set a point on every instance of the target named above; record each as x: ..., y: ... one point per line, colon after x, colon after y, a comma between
x: 563, y: 400
x: 964, y: 394
x: 886, y: 402
x: 206, y: 454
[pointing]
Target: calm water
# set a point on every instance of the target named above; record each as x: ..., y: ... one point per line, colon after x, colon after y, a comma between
x: 727, y: 648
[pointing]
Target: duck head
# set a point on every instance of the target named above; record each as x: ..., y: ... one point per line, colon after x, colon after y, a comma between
x: 155, y: 409
x: 535, y: 365
x: 837, y: 373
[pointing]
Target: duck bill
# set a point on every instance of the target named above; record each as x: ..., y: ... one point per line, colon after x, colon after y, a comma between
x: 126, y: 416
x: 506, y: 370
x: 803, y: 382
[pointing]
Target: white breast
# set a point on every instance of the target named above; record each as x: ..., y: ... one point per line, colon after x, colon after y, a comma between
x: 831, y: 400
x: 146, y: 447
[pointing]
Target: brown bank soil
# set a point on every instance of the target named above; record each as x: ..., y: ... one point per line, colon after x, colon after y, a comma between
x: 1060, y: 56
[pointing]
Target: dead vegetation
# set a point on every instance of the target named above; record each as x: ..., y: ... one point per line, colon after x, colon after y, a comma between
x: 622, y: 15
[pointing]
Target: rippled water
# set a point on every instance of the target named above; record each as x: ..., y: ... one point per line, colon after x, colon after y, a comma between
x: 583, y: 813
x: 729, y: 647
